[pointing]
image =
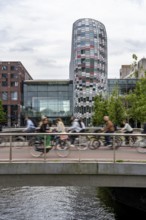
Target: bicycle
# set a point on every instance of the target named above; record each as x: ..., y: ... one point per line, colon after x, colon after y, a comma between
x: 60, y: 145
x: 81, y: 142
x: 15, y: 140
x: 137, y: 142
x: 98, y: 141
x: 141, y: 145
x: 131, y: 142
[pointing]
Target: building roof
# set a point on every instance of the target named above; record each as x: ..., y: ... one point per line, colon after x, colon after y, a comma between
x: 49, y: 81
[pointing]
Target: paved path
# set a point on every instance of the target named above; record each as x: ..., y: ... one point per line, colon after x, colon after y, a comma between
x: 127, y: 154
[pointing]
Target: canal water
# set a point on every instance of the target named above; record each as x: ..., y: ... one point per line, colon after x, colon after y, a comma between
x: 56, y: 203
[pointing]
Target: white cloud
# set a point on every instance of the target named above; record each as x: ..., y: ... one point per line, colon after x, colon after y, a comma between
x: 38, y: 33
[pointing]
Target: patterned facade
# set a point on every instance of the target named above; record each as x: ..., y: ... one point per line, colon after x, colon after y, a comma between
x: 88, y: 66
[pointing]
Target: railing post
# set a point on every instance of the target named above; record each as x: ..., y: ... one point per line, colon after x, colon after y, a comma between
x: 79, y: 150
x: 114, y: 149
x: 10, y: 155
x: 45, y: 143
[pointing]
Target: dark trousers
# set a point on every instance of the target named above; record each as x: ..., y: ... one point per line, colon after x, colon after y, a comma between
x: 127, y: 138
x: 108, y: 138
x: 73, y: 137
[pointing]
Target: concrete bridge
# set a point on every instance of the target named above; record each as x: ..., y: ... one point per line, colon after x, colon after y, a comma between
x: 99, y: 174
x: 101, y: 168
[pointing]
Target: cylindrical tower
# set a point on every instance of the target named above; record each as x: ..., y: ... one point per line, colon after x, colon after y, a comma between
x: 88, y: 66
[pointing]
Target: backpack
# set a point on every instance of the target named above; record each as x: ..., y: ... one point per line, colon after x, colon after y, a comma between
x: 34, y: 122
x: 80, y: 123
x: 115, y: 127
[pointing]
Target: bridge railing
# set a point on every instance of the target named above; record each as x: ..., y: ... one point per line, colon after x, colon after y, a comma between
x: 16, y: 147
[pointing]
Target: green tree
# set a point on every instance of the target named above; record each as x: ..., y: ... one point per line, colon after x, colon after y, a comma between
x: 2, y: 113
x: 100, y: 108
x: 134, y: 65
x: 137, y: 102
x: 116, y: 109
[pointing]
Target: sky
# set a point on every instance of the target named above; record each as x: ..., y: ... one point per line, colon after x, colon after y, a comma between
x: 38, y: 33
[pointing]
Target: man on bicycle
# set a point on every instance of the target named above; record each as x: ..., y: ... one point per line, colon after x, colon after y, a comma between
x: 109, y: 128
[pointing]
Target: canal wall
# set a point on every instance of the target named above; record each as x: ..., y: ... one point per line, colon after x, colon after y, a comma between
x: 73, y: 174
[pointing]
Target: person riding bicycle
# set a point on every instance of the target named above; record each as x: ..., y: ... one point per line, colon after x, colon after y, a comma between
x: 109, y: 128
x: 144, y: 128
x: 30, y: 127
x: 127, y: 130
x: 77, y: 127
x: 60, y: 125
x: 44, y: 128
x: 60, y: 129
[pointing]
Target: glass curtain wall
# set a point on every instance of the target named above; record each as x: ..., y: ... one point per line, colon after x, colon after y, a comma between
x: 52, y: 99
x: 124, y: 86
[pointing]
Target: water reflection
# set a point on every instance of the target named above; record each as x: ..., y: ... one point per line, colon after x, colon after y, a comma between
x: 111, y: 197
x: 55, y: 203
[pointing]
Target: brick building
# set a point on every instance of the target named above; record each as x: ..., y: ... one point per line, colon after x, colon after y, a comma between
x: 12, y: 76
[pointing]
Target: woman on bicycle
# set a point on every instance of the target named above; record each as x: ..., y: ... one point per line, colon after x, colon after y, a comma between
x: 44, y: 127
x: 77, y: 127
x: 60, y: 129
x: 60, y: 125
x: 127, y: 129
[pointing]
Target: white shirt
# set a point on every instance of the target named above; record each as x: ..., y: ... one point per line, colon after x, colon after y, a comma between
x: 127, y: 127
x: 75, y: 126
x: 30, y: 124
x: 60, y: 126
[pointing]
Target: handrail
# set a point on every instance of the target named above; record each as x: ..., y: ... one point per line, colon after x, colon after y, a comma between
x: 76, y: 133
x: 10, y: 135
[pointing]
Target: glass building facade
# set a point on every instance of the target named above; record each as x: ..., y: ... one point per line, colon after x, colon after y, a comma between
x: 50, y: 98
x: 124, y: 85
x: 88, y: 66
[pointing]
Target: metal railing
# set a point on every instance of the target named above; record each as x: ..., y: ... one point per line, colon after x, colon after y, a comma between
x: 12, y: 150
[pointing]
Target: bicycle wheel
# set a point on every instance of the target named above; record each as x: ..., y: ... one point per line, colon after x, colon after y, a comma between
x: 118, y: 142
x: 133, y: 140
x: 32, y: 141
x: 34, y: 152
x: 62, y: 148
x: 37, y: 150
x: 95, y: 144
x: 81, y: 144
x: 141, y: 147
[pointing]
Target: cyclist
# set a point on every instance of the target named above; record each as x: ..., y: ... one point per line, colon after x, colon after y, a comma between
x: 44, y: 125
x: 127, y: 130
x: 144, y: 128
x: 44, y: 128
x: 60, y: 125
x: 60, y: 129
x: 30, y: 127
x: 109, y: 128
x: 77, y: 127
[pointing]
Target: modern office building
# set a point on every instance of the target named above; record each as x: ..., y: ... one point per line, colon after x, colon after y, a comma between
x: 124, y: 86
x: 51, y: 98
x: 12, y: 75
x: 88, y: 65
